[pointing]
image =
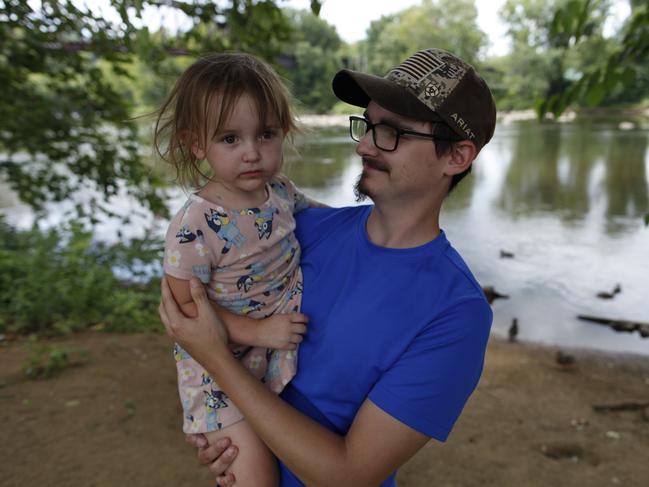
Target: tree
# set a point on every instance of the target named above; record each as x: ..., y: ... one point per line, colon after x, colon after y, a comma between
x: 447, y: 24
x: 541, y: 64
x: 66, y: 122
x: 621, y: 69
x: 315, y: 47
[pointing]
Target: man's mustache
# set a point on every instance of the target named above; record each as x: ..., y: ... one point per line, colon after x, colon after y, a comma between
x: 374, y: 164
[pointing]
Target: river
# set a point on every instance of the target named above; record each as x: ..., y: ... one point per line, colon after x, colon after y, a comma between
x: 567, y: 200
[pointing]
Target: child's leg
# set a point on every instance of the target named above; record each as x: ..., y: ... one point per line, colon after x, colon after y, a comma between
x: 255, y: 465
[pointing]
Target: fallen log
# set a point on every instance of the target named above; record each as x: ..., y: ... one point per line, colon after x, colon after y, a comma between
x: 621, y: 406
x: 619, y: 325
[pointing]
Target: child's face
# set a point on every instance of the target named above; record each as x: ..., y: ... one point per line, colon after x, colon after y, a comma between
x: 244, y: 155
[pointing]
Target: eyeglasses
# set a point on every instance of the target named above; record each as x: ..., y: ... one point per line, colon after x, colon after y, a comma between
x: 385, y: 136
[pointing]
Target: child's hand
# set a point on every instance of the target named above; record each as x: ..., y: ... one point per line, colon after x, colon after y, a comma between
x: 282, y: 331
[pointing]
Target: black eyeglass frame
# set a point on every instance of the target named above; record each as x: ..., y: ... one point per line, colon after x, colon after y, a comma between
x: 397, y: 130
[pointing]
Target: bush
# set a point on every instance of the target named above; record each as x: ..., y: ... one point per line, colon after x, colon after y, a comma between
x: 60, y: 280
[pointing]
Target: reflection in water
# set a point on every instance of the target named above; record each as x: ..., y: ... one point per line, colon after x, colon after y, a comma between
x: 553, y: 169
x: 320, y: 158
x: 625, y: 182
x: 532, y: 180
x: 567, y: 200
x: 542, y: 176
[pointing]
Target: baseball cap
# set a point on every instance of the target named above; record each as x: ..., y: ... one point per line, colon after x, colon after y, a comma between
x: 432, y: 85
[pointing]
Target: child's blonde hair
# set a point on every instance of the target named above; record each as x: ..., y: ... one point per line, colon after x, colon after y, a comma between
x: 191, y: 115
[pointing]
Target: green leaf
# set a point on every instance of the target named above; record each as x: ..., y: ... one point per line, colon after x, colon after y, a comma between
x: 628, y: 76
x: 540, y: 107
x: 560, y: 105
x: 595, y: 94
x: 316, y: 5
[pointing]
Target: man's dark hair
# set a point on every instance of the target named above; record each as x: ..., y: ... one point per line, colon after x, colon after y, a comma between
x: 443, y: 147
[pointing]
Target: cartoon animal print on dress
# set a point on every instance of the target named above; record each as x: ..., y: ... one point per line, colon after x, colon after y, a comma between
x: 297, y: 289
x: 277, y: 286
x: 280, y: 188
x: 245, y: 282
x: 243, y: 306
x: 226, y: 229
x: 263, y: 220
x: 215, y: 399
x: 287, y: 251
x: 179, y: 353
x: 185, y: 235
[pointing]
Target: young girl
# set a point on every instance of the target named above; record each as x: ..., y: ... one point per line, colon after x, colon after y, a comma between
x: 236, y: 235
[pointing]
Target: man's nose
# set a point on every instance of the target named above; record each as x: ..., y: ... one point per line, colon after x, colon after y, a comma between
x: 366, y: 145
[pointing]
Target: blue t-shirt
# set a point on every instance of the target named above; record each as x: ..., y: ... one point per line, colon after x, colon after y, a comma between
x: 406, y: 328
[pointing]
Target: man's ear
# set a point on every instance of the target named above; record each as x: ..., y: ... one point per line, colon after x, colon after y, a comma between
x: 460, y: 158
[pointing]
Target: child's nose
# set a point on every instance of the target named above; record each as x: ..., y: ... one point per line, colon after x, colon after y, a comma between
x: 252, y: 153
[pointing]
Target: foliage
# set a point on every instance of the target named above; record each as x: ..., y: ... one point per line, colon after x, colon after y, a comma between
x: 65, y: 109
x: 60, y: 280
x: 45, y: 361
x: 541, y: 64
x: 617, y: 75
x: 62, y: 126
x: 447, y: 24
x: 617, y: 71
x: 315, y: 48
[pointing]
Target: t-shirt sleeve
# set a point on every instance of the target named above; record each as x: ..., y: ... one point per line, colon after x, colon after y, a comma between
x: 297, y: 198
x: 186, y: 253
x: 428, y: 386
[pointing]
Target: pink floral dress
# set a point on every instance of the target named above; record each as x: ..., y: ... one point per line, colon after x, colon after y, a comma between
x: 249, y: 261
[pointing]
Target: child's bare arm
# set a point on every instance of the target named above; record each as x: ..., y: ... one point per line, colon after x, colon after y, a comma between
x: 280, y: 331
x: 182, y: 296
x: 241, y: 329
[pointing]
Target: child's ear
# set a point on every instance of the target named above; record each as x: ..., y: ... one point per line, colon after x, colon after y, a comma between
x: 192, y: 142
x: 460, y: 158
x: 197, y: 150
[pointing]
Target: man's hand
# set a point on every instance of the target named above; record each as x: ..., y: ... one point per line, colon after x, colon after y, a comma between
x: 202, y: 336
x: 217, y: 457
x: 281, y: 331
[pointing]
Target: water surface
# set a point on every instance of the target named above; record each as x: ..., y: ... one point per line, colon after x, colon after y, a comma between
x: 567, y: 200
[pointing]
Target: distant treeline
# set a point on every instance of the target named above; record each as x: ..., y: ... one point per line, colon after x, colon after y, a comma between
x: 68, y: 73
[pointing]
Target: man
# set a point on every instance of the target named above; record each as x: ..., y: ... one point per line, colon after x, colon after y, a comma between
x: 398, y: 325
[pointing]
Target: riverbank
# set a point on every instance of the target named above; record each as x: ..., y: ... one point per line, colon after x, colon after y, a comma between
x: 112, y: 419
x: 627, y: 118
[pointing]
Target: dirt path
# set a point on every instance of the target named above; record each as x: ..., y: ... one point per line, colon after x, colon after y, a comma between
x: 114, y: 420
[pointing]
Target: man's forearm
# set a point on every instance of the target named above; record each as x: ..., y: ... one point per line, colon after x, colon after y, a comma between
x: 315, y: 454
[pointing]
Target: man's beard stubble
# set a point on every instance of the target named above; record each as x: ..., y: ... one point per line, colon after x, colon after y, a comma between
x: 361, y: 192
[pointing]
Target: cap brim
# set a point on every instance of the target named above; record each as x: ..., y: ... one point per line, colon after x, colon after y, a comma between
x: 359, y: 88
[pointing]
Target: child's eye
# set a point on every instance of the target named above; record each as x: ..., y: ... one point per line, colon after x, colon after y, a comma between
x: 229, y: 139
x: 268, y: 134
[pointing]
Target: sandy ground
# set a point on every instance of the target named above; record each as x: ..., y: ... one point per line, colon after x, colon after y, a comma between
x: 114, y: 420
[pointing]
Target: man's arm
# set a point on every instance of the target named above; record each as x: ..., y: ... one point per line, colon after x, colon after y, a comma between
x: 374, y: 447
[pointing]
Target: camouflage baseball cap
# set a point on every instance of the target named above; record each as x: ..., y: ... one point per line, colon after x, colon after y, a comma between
x: 432, y: 85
